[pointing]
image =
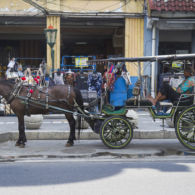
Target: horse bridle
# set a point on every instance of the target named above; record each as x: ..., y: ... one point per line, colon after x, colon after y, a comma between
x: 11, y: 96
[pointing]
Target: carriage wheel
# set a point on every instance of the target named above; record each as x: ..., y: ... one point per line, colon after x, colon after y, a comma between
x: 116, y: 132
x: 185, y: 127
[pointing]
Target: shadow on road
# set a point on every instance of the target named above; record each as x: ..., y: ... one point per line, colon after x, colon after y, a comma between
x: 37, y: 174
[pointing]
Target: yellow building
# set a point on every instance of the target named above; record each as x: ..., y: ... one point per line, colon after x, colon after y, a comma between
x: 100, y: 28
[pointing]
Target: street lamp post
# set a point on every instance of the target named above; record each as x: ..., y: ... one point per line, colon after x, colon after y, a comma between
x: 50, y: 34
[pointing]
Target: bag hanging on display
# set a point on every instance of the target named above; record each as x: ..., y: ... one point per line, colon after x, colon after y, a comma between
x: 136, y: 89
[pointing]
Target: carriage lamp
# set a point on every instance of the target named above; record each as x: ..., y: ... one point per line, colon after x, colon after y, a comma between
x: 50, y: 34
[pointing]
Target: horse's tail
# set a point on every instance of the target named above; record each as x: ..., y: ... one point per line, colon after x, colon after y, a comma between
x: 79, y: 100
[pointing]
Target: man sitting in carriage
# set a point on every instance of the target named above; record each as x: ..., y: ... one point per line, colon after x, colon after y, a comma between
x: 168, y: 93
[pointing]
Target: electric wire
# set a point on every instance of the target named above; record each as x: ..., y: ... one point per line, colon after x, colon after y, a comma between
x: 18, y: 18
x: 79, y: 9
x: 44, y: 3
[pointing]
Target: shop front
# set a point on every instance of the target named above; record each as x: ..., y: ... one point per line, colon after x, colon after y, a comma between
x: 111, y: 29
x: 170, y: 27
x: 22, y: 39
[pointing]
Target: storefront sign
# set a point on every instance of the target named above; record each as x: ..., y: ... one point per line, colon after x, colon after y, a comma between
x: 81, y: 62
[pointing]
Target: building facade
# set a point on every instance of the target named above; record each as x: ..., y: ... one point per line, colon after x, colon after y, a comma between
x: 99, y: 28
x: 169, y: 29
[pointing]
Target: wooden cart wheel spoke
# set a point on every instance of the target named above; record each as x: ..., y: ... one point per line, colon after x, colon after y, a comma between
x: 187, y: 121
x: 186, y: 127
x: 190, y: 115
x: 189, y: 134
x: 107, y: 134
x: 114, y: 123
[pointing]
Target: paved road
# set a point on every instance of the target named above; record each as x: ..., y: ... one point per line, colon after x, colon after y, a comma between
x: 98, y: 178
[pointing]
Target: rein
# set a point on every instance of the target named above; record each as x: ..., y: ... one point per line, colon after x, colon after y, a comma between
x: 39, y: 104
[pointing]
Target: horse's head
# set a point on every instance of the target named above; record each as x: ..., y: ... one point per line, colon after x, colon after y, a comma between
x: 7, y: 86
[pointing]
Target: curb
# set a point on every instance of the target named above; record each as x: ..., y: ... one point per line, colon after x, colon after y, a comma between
x: 5, y: 137
x: 54, y: 135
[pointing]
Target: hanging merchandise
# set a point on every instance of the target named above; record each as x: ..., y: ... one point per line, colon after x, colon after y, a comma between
x: 118, y: 95
x: 95, y: 82
x: 126, y: 75
x: 108, y: 78
x: 81, y: 81
x: 111, y: 68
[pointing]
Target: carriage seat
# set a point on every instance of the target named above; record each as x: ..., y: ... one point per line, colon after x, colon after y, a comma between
x: 188, y: 101
x: 110, y: 110
x: 135, y: 102
x: 183, y: 102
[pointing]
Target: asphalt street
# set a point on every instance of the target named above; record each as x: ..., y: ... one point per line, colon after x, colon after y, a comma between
x: 98, y: 178
x: 47, y: 167
x: 48, y: 142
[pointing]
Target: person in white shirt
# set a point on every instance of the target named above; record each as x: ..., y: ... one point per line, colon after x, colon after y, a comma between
x: 10, y: 67
x: 11, y: 63
x: 59, y: 78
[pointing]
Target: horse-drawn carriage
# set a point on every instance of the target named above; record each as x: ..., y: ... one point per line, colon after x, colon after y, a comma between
x: 114, y: 126
x: 116, y: 129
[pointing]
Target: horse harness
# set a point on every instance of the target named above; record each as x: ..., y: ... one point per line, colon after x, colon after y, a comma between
x: 15, y: 92
x: 29, y: 99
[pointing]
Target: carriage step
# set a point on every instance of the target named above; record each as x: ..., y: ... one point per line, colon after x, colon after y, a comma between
x: 159, y: 114
x: 162, y: 114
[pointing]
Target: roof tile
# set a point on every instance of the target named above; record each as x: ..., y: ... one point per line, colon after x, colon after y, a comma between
x: 172, y: 5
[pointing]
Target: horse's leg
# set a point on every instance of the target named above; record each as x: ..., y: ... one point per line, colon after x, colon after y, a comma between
x: 72, y: 137
x: 22, y: 137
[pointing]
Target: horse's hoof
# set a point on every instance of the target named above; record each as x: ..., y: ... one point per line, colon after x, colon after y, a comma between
x: 22, y: 145
x: 69, y: 144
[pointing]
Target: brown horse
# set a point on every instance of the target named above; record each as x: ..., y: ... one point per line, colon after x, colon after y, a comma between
x: 61, y: 96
